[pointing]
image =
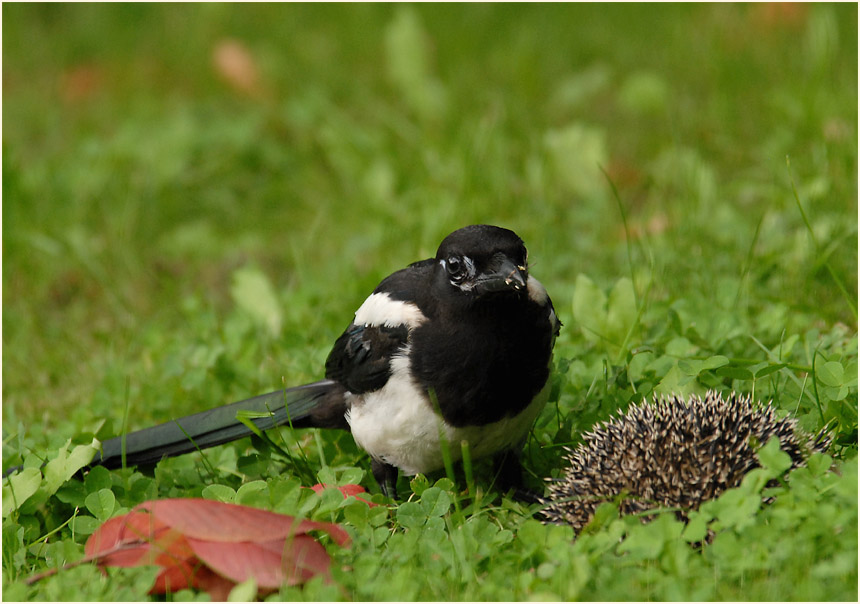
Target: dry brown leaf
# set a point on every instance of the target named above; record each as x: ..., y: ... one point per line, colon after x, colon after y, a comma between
x: 235, y: 64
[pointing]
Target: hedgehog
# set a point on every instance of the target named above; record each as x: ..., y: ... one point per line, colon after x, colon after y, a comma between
x: 673, y: 453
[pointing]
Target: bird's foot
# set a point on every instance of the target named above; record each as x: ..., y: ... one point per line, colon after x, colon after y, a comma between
x: 386, y: 476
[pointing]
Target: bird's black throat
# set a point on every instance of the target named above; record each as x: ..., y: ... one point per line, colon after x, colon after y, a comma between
x: 488, y: 362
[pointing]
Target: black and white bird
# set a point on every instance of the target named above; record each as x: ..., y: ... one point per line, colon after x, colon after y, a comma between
x: 456, y: 347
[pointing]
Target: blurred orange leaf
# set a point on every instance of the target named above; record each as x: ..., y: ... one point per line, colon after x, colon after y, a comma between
x: 769, y: 15
x: 81, y: 83
x: 235, y: 64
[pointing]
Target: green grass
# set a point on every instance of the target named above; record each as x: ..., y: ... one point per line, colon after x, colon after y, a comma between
x: 685, y: 178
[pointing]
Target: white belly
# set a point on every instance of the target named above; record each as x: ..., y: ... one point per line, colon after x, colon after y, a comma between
x: 396, y: 425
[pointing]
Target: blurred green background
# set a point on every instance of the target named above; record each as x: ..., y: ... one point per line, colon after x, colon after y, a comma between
x: 149, y: 151
x: 152, y: 151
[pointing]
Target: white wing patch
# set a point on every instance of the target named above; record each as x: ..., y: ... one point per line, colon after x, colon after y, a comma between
x: 380, y: 310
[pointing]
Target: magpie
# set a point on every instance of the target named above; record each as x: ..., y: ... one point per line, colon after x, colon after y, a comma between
x: 453, y: 348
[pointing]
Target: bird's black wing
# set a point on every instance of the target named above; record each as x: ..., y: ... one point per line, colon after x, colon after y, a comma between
x: 361, y: 357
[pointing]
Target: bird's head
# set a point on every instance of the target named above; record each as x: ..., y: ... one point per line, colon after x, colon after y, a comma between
x: 483, y: 260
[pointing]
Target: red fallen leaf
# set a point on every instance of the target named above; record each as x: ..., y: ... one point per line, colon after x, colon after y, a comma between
x: 135, y: 539
x: 186, y: 576
x: 138, y: 539
x: 347, y: 490
x: 216, y: 586
x: 182, y: 574
x: 213, y: 546
x: 269, y: 563
x: 228, y: 522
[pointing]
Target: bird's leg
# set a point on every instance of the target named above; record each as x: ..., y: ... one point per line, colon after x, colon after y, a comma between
x: 509, y: 476
x: 386, y: 476
x: 507, y: 470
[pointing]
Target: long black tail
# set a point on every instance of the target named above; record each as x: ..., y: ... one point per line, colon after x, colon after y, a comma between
x: 319, y: 404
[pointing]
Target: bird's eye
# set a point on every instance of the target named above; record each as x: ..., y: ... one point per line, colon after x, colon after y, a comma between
x: 455, y: 268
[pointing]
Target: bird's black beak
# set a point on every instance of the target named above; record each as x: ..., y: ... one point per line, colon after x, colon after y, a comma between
x: 503, y: 275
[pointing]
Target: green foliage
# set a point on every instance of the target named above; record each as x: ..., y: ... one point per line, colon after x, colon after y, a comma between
x: 173, y: 241
x: 608, y: 321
